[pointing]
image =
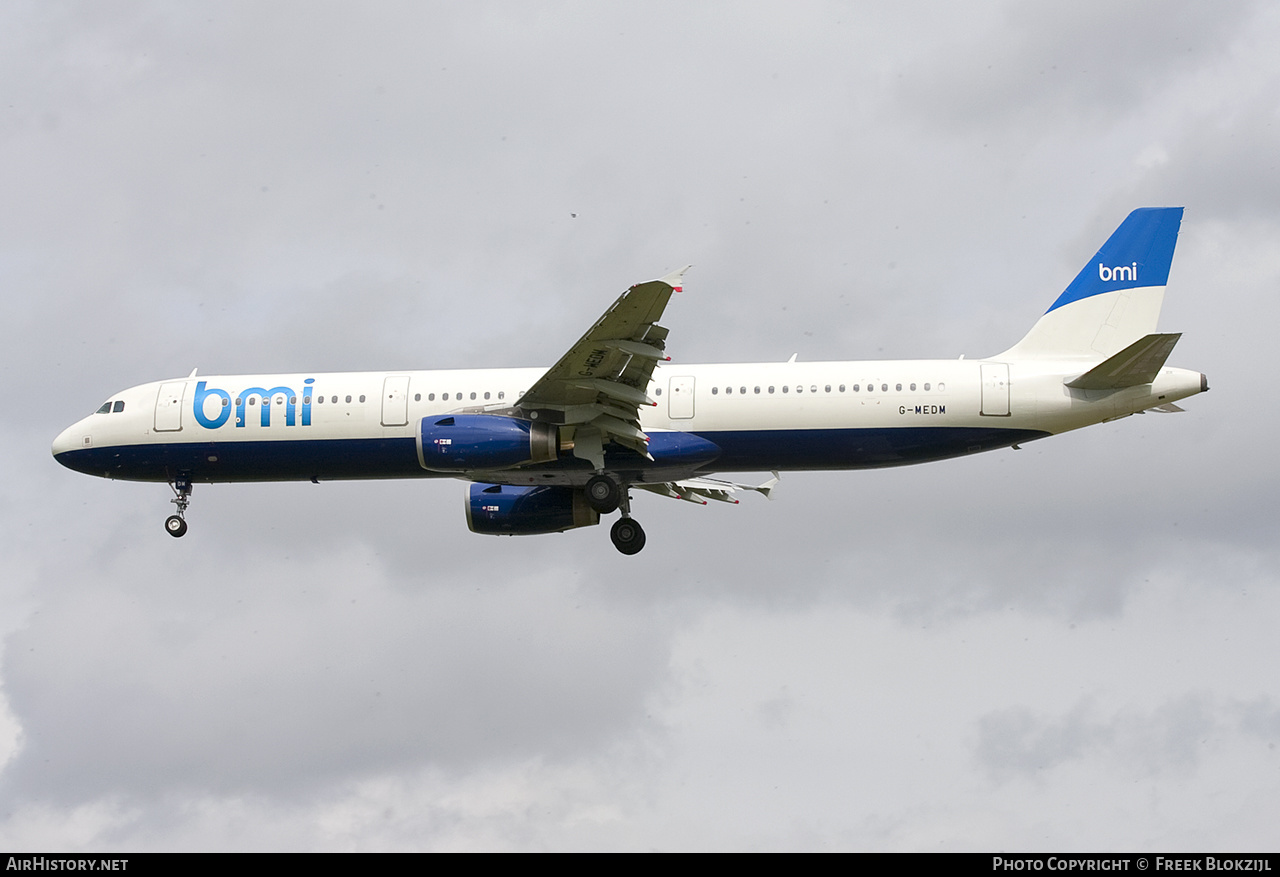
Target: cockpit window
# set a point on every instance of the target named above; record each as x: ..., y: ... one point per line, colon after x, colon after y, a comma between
x: 117, y: 408
x: 105, y: 409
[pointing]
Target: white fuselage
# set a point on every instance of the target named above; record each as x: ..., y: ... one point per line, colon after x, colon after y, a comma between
x: 793, y: 415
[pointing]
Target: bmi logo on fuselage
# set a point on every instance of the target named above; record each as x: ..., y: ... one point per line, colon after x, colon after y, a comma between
x: 1120, y: 272
x: 291, y: 407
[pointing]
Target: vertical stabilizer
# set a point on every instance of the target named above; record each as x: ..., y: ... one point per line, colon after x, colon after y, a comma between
x: 1115, y: 299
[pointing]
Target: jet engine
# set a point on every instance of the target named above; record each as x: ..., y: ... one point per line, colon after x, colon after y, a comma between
x: 504, y: 510
x: 470, y: 442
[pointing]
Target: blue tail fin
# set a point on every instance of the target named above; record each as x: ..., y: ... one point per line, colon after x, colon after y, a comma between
x: 1116, y: 297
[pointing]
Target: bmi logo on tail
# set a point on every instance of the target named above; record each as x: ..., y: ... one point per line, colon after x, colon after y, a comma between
x: 1120, y: 272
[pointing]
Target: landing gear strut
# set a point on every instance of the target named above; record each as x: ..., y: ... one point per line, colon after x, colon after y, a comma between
x: 176, y: 525
x: 626, y: 533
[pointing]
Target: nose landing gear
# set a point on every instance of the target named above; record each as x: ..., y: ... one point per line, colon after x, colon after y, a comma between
x: 176, y: 525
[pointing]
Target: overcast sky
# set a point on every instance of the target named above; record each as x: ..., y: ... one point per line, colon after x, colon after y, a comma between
x: 1068, y: 647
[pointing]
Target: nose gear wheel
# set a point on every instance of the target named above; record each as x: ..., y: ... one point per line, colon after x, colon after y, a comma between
x: 176, y: 525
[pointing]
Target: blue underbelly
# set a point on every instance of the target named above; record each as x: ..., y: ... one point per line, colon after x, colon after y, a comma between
x: 739, y: 451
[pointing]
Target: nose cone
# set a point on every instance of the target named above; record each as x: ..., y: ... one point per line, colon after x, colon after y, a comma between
x: 70, y: 440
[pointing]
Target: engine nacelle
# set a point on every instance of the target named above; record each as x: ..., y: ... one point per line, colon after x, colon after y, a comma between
x: 471, y: 442
x: 504, y: 510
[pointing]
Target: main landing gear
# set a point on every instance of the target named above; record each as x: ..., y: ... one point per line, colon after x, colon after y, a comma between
x: 176, y: 525
x: 626, y: 533
x: 603, y: 494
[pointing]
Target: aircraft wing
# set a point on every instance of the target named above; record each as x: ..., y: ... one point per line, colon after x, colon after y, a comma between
x: 600, y: 384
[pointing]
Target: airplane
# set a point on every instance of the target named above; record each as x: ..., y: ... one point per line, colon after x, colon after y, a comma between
x: 550, y: 450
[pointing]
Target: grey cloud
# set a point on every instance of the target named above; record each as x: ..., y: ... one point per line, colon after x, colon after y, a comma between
x: 214, y: 676
x: 1014, y: 743
x: 1094, y: 61
x: 1261, y: 717
x: 1225, y: 163
x: 1018, y: 743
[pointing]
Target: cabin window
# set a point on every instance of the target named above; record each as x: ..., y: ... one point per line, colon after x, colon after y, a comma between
x: 771, y: 389
x: 320, y: 399
x: 785, y: 388
x: 715, y: 391
x: 926, y: 388
x: 828, y: 388
x: 118, y: 407
x: 417, y: 397
x: 431, y: 397
x: 842, y: 388
x: 942, y: 388
x: 348, y: 400
x: 657, y: 392
x: 757, y: 391
x: 898, y: 387
x: 473, y: 397
x: 362, y: 398
x: 800, y: 388
x: 225, y: 402
x: 729, y: 390
x: 884, y: 388
x: 486, y: 394
x: 913, y: 388
x: 502, y: 394
x: 813, y: 388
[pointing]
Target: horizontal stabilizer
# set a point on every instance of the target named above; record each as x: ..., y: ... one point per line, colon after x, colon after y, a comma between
x: 1137, y: 364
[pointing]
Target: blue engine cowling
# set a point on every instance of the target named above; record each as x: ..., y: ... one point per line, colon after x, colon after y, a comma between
x: 504, y: 510
x: 469, y: 442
